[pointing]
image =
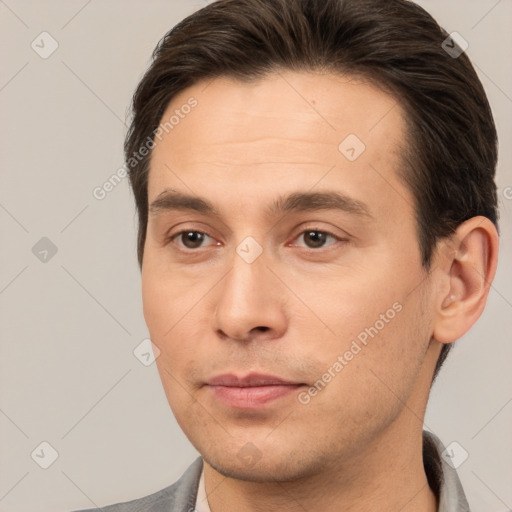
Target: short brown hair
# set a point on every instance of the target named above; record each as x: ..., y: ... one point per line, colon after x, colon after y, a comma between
x: 450, y: 157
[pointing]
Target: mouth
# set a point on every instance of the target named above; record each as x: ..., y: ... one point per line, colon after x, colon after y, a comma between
x: 252, y: 391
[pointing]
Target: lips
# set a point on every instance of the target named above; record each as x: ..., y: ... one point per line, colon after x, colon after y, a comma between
x: 251, y: 380
x: 251, y: 391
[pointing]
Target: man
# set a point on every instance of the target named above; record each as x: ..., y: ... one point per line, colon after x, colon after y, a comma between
x: 317, y: 225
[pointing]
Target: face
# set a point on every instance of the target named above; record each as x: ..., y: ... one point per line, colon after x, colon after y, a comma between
x: 282, y: 278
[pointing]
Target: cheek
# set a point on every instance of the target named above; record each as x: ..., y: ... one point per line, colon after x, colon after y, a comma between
x: 366, y: 326
x: 176, y: 325
x: 345, y: 304
x: 383, y: 359
x: 178, y: 363
x: 168, y: 299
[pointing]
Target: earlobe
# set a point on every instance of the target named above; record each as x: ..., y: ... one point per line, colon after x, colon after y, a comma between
x: 469, y: 274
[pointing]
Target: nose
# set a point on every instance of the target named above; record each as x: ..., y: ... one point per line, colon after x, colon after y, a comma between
x: 250, y: 302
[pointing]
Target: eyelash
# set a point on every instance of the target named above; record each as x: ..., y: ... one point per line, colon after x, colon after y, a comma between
x: 171, y: 238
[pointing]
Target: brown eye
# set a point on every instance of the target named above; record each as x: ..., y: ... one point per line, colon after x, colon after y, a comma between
x: 315, y: 239
x: 192, y: 239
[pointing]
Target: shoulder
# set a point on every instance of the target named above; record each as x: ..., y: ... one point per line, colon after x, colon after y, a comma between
x: 178, y: 497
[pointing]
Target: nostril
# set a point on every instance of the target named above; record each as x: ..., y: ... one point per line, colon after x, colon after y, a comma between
x: 262, y: 328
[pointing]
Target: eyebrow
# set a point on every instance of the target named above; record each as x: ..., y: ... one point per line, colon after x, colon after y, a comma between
x: 170, y: 200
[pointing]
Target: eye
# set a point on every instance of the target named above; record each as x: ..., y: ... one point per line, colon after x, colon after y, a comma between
x: 190, y: 239
x: 312, y: 239
x: 315, y: 238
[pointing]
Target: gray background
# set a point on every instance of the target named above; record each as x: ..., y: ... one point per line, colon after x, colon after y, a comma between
x: 69, y: 325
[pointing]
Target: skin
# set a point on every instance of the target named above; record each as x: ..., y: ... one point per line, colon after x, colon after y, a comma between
x: 356, y: 445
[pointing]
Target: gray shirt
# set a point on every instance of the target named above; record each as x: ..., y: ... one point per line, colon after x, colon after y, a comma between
x: 182, y: 495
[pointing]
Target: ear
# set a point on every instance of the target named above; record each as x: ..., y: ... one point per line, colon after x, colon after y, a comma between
x: 468, y: 268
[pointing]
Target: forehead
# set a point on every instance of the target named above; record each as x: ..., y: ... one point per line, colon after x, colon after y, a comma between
x: 276, y: 128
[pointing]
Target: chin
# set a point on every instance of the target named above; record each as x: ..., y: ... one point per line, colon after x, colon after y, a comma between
x: 279, y: 468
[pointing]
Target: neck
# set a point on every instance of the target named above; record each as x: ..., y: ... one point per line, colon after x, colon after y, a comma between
x: 390, y: 481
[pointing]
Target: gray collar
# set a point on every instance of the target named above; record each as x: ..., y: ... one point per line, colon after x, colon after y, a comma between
x: 442, y: 477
